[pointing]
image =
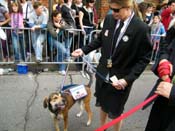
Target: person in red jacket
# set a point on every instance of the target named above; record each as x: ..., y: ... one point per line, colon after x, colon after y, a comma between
x: 168, y: 13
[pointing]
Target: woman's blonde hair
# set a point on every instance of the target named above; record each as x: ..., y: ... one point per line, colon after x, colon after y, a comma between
x: 128, y: 4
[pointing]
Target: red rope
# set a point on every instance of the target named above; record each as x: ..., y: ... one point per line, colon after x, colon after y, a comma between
x: 163, y: 69
x: 125, y: 115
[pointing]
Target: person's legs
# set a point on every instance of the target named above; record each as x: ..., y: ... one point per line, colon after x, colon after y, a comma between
x: 39, y: 46
x: 103, y: 120
x: 103, y: 117
x: 34, y: 36
x: 15, y: 46
x: 4, y: 49
x: 117, y: 126
x: 68, y: 43
x: 61, y: 52
x: 22, y: 47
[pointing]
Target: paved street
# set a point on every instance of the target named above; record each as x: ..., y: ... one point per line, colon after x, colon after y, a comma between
x: 21, y: 102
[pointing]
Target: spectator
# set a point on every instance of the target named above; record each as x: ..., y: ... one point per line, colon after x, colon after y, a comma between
x: 86, y: 18
x: 149, y: 13
x: 157, y: 31
x: 142, y: 8
x: 4, y: 20
x: 56, y: 38
x: 16, y: 15
x: 58, y: 4
x: 37, y: 22
x: 168, y: 14
x: 77, y: 6
x: 95, y: 15
x: 27, y: 11
x: 69, y: 17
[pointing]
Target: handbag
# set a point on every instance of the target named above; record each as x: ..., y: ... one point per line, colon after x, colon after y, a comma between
x: 3, y: 35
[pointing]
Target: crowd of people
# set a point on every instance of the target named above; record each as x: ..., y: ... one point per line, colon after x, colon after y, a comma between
x: 29, y: 21
x: 77, y: 14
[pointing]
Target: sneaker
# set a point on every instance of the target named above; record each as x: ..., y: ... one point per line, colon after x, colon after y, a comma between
x: 62, y: 72
x: 28, y: 56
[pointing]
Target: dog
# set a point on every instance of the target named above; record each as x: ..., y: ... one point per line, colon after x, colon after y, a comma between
x: 59, y: 105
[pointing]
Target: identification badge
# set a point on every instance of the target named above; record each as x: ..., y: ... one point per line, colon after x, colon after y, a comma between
x: 109, y: 63
x: 78, y: 92
x: 114, y: 78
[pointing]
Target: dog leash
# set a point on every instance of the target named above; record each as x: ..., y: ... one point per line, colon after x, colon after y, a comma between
x: 64, y: 79
x: 95, y: 70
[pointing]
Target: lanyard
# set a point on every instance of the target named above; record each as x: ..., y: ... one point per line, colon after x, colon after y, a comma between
x: 120, y: 36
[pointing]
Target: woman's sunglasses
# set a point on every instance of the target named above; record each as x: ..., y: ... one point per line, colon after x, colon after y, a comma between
x: 115, y: 9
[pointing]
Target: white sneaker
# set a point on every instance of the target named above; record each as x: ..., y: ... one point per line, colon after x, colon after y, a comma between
x: 29, y: 55
x: 62, y: 72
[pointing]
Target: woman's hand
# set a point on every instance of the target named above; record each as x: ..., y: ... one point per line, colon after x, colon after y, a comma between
x: 77, y: 53
x: 164, y: 89
x: 120, y: 84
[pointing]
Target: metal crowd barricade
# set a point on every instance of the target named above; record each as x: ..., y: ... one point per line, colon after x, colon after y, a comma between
x: 48, y: 52
x: 23, y: 46
x: 156, y: 40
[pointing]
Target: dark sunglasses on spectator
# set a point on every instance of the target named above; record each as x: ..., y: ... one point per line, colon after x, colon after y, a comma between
x: 116, y: 10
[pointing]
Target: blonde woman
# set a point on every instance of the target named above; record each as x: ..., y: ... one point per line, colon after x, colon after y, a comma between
x: 125, y: 55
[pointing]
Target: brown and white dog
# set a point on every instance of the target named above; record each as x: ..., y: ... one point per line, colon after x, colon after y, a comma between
x: 59, y: 105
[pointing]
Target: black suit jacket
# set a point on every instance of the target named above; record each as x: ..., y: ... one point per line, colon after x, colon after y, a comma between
x: 131, y: 56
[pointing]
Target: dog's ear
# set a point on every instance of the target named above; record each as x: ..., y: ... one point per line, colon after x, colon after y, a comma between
x: 45, y: 102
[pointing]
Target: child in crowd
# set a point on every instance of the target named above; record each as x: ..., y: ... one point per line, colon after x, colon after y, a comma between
x: 157, y: 31
x: 16, y: 15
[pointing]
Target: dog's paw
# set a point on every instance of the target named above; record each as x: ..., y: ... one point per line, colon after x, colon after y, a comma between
x: 79, y: 114
x: 88, y: 123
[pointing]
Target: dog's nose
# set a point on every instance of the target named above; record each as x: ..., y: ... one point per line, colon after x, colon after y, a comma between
x: 56, y: 105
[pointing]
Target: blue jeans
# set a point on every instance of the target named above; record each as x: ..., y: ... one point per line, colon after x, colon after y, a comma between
x: 38, y: 37
x: 18, y: 46
x: 68, y: 42
x: 61, y: 52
